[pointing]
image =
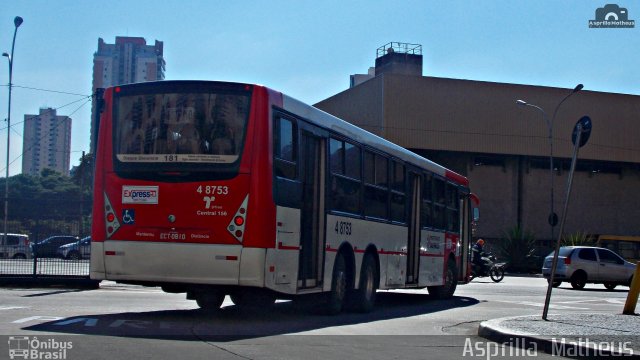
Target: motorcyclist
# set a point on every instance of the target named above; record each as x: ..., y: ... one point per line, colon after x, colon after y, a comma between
x: 477, y: 255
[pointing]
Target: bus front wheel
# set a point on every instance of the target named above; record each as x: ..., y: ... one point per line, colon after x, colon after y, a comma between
x: 446, y: 290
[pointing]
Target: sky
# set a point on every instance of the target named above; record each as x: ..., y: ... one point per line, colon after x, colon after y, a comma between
x: 306, y: 49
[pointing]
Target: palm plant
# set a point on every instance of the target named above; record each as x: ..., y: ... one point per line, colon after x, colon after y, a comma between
x: 579, y: 238
x: 517, y: 248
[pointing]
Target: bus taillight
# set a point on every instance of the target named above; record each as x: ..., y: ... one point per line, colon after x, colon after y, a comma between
x: 111, y: 220
x: 237, y: 224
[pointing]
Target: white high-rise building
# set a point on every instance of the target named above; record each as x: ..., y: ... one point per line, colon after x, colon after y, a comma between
x: 46, y: 142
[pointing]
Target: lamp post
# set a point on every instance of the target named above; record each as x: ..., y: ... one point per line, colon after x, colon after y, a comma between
x: 553, y: 218
x: 17, y: 21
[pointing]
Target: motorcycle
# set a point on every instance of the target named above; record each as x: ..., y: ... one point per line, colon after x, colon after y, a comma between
x: 490, y: 268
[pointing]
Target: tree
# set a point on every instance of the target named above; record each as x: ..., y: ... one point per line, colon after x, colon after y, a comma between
x: 50, y: 203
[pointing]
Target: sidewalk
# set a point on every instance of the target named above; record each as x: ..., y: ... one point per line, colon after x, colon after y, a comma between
x: 572, y: 335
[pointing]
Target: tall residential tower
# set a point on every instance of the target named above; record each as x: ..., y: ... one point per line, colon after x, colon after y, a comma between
x: 129, y: 60
x: 46, y: 142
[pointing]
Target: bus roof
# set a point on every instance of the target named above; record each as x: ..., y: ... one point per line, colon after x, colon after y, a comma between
x: 362, y: 136
x: 328, y: 121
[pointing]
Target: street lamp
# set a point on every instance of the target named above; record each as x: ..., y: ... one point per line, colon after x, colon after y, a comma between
x: 553, y: 218
x: 17, y: 21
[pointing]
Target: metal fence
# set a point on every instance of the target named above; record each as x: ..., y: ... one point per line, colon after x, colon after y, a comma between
x: 23, y: 262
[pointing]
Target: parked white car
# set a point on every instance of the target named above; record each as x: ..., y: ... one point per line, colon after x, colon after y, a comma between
x: 15, y: 246
x: 580, y: 265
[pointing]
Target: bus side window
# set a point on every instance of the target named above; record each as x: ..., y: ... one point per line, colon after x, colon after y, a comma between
x: 427, y: 203
x: 439, y: 203
x: 453, y: 206
x: 398, y: 197
x: 376, y: 193
x: 345, y: 180
x: 285, y: 148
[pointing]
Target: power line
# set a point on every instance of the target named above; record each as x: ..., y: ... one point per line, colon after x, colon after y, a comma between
x: 45, y: 90
x: 50, y: 110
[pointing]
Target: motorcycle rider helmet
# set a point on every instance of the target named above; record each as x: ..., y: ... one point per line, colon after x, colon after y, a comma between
x: 480, y: 242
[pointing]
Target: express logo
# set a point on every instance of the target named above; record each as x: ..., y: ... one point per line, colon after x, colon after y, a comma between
x: 140, y: 194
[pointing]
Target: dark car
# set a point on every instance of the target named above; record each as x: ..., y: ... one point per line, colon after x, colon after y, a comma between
x: 49, y: 246
x: 76, y: 251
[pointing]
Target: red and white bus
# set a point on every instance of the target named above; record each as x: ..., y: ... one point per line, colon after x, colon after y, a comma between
x: 215, y: 189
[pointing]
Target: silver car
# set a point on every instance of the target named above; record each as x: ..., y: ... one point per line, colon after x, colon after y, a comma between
x: 580, y: 265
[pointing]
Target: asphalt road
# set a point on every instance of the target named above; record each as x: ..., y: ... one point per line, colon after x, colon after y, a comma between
x: 131, y: 322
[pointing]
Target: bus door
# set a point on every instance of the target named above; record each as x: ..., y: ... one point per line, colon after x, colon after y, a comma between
x: 468, y: 217
x: 312, y: 155
x: 413, y: 244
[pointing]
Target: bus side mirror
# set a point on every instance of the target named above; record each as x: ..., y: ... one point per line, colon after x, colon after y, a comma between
x: 476, y: 214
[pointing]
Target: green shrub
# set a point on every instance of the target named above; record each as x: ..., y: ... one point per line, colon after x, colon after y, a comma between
x: 517, y: 249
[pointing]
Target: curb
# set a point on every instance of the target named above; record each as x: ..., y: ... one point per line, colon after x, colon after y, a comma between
x: 494, y: 331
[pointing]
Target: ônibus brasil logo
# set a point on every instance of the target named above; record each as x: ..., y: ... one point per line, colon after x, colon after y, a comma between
x: 25, y: 347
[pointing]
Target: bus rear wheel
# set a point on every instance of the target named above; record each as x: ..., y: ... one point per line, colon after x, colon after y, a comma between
x: 364, y: 299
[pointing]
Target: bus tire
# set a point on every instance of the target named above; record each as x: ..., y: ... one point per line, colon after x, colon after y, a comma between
x: 364, y: 298
x: 253, y: 298
x: 336, y: 297
x: 450, y: 283
x: 210, y: 300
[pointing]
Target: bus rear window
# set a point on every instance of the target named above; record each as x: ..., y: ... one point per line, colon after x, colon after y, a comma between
x: 191, y: 127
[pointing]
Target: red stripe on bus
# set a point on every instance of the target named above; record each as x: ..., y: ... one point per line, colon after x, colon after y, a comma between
x: 431, y: 255
x: 109, y: 253
x: 451, y: 175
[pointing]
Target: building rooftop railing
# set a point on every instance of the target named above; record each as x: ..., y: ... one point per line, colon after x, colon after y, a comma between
x: 399, y: 47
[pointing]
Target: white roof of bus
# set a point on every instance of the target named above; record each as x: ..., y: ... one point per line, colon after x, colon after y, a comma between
x: 362, y: 136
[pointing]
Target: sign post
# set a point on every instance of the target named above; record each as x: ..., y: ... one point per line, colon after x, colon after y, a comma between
x: 580, y: 136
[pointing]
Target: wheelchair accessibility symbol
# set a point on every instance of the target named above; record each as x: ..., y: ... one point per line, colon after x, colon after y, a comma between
x: 128, y: 216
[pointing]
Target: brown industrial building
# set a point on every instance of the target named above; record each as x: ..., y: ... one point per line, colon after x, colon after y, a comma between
x: 477, y: 129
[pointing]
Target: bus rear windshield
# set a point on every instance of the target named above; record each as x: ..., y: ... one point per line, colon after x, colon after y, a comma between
x: 184, y: 128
